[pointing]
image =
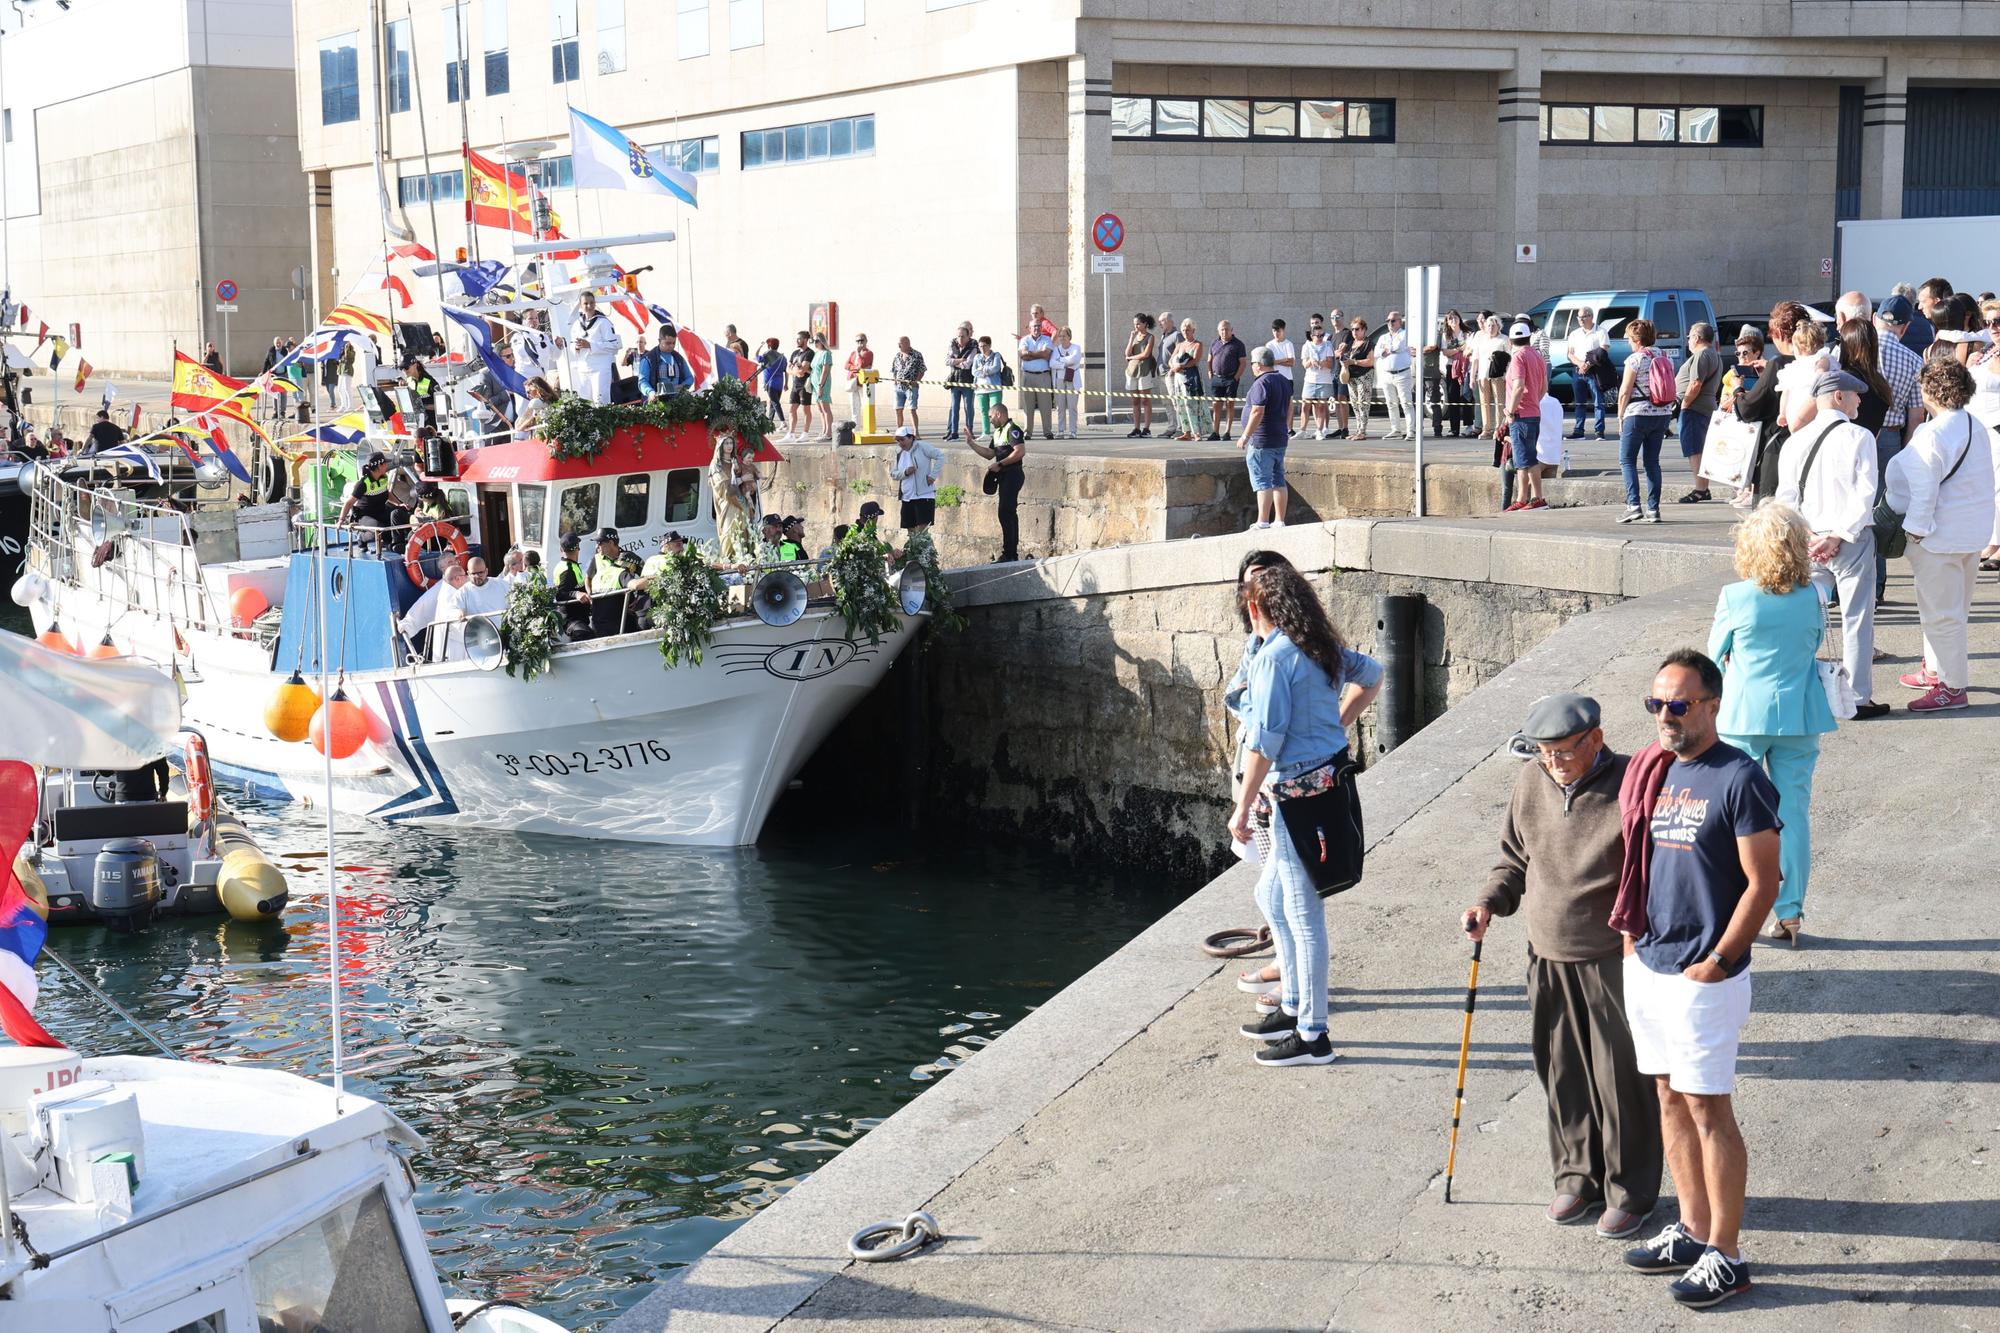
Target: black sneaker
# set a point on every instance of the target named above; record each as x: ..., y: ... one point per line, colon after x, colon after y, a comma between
x: 1134, y: 433
x: 1672, y: 1251
x: 1275, y: 1026
x: 1212, y: 436
x: 1290, y: 1050
x: 1712, y: 1280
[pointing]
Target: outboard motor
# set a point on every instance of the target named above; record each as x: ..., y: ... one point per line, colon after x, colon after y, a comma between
x: 125, y: 885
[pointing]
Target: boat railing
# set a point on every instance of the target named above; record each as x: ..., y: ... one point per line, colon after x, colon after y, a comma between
x: 157, y: 571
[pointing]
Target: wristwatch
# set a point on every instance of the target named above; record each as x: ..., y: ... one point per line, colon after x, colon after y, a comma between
x: 1715, y: 956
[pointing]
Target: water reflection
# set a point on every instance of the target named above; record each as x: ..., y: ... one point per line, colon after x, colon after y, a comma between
x: 615, y: 1053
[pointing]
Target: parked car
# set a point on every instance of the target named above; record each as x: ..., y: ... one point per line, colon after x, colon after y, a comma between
x: 1671, y: 309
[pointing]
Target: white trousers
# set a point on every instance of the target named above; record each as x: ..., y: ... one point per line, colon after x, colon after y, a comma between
x: 1852, y: 572
x: 1944, y: 605
x: 593, y: 381
x: 1396, y: 401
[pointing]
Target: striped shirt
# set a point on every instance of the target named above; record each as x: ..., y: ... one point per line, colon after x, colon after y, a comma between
x: 1899, y: 367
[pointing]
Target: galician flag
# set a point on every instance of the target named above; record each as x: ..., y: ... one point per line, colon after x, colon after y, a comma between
x: 603, y: 158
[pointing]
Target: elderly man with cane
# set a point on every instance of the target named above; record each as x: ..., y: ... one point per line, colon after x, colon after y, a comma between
x: 1560, y: 852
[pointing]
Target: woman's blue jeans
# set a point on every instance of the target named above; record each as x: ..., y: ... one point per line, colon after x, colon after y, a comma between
x: 961, y: 402
x: 1297, y: 916
x: 1640, y: 438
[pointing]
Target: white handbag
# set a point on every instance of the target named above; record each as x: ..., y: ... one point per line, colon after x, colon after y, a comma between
x: 1833, y: 677
x: 1728, y: 452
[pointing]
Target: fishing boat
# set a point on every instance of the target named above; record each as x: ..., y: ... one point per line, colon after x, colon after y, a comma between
x: 244, y: 604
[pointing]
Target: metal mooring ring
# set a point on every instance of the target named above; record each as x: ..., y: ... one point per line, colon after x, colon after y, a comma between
x: 916, y: 1231
x: 1238, y: 943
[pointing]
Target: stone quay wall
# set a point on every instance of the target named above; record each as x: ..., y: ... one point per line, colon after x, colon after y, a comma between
x: 1081, y: 708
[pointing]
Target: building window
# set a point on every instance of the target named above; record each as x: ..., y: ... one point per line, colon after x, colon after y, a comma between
x: 552, y: 173
x: 746, y: 24
x: 396, y: 58
x: 852, y: 136
x: 431, y: 186
x: 457, y: 69
x: 1653, y: 126
x: 610, y: 36
x: 697, y: 157
x: 845, y: 14
x: 1238, y: 118
x: 340, y: 79
x: 565, y: 63
x: 7, y: 125
x: 693, y: 30
x: 497, y: 77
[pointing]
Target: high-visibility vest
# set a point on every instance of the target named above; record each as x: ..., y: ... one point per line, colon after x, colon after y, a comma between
x: 374, y: 485
x: 606, y: 575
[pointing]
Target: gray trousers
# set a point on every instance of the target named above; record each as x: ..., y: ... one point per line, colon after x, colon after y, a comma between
x: 1604, y: 1115
x: 1852, y: 572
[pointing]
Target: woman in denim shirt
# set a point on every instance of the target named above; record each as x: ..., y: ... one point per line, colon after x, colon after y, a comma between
x: 1304, y: 687
x: 1259, y: 981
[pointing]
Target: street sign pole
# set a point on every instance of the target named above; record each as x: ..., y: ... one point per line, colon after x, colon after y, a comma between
x: 1421, y: 285
x: 1107, y: 233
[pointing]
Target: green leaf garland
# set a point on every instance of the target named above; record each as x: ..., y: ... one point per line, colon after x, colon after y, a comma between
x: 688, y: 596
x: 861, y: 591
x: 576, y: 428
x: 531, y: 626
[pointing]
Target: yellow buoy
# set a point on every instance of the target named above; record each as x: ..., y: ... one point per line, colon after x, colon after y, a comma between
x: 289, y: 714
x: 31, y: 884
x: 251, y: 886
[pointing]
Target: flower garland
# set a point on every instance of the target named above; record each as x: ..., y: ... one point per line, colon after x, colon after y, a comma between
x: 531, y: 626
x: 861, y: 588
x: 688, y: 596
x: 921, y: 551
x: 574, y: 427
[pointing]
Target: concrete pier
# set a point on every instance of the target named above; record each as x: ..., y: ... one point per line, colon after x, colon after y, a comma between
x: 1117, y: 1161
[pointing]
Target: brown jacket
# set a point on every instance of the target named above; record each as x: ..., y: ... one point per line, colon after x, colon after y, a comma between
x: 1562, y: 855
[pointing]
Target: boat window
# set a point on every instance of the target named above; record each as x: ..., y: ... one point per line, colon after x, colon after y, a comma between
x: 341, y: 1273
x: 635, y: 493
x: 534, y: 499
x: 684, y: 495
x: 579, y: 510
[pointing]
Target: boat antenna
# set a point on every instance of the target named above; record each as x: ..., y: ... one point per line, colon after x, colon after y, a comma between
x: 111, y: 1004
x: 320, y: 572
x: 430, y: 195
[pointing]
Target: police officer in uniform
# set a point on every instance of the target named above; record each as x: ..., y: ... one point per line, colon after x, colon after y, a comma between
x: 370, y: 501
x: 573, y: 589
x: 608, y: 573
x: 1005, y: 476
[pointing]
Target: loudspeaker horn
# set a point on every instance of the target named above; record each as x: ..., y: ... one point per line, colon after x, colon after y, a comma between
x: 483, y: 646
x: 779, y: 597
x: 912, y: 588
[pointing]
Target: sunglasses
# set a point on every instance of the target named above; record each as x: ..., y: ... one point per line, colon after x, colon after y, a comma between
x: 1674, y: 707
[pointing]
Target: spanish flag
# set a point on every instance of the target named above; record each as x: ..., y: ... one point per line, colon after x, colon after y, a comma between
x: 198, y: 388
x: 497, y: 196
x: 354, y: 317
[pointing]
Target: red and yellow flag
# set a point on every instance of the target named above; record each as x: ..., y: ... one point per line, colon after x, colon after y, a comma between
x: 83, y: 370
x: 198, y: 388
x: 354, y: 317
x: 497, y: 196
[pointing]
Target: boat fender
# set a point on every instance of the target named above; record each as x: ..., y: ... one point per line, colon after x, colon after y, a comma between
x: 436, y: 530
x: 251, y: 886
x: 199, y: 777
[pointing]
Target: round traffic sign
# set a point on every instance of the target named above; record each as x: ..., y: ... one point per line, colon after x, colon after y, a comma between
x: 1107, y: 232
x: 226, y: 290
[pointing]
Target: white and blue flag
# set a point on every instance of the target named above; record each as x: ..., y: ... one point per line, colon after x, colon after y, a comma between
x: 603, y: 158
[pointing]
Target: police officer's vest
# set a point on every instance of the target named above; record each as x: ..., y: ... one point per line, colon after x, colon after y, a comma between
x: 606, y: 575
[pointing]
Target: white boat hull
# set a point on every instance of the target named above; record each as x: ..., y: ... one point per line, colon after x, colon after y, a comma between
x: 610, y: 743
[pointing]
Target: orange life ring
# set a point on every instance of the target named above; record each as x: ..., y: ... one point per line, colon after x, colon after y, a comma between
x: 200, y: 779
x: 434, y: 530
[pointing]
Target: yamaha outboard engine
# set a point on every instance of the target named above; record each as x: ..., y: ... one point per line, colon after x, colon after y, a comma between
x: 125, y: 886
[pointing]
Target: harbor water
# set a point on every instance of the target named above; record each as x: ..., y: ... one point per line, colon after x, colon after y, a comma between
x: 615, y: 1053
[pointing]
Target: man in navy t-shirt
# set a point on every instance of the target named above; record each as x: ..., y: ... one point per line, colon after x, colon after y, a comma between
x: 1267, y: 429
x: 1712, y: 877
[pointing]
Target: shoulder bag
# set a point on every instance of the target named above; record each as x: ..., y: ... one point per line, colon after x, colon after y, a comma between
x: 1890, y: 539
x: 1833, y: 677
x: 1321, y: 812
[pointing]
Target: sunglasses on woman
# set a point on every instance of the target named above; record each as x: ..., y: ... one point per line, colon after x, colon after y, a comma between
x: 1674, y: 707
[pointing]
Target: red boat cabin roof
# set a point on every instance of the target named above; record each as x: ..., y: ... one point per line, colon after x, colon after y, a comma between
x: 631, y: 449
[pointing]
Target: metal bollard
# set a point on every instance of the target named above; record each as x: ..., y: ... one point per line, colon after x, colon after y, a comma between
x: 1397, y: 619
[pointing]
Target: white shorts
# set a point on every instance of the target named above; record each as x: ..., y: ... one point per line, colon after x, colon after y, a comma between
x: 1686, y: 1030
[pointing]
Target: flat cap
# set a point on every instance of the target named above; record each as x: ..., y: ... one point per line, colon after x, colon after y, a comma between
x: 1836, y: 381
x: 1555, y: 716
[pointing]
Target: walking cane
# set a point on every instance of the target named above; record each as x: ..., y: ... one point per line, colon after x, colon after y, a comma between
x: 1464, y: 1049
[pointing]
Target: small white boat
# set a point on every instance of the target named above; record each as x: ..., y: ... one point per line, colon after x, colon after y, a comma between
x: 101, y: 851
x: 154, y: 1196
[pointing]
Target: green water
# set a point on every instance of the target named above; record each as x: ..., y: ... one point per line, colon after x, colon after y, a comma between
x: 616, y: 1054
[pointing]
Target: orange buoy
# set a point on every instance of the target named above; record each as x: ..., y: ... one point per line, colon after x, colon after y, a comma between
x: 378, y: 726
x: 104, y: 648
x: 55, y: 640
x: 245, y: 605
x: 339, y: 727
x: 289, y: 715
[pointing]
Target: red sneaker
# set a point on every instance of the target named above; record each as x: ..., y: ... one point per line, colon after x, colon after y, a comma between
x: 1922, y: 679
x: 1516, y: 507
x: 1536, y: 504
x: 1940, y: 700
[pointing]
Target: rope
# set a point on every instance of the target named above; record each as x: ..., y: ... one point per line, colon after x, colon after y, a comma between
x: 36, y: 1259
